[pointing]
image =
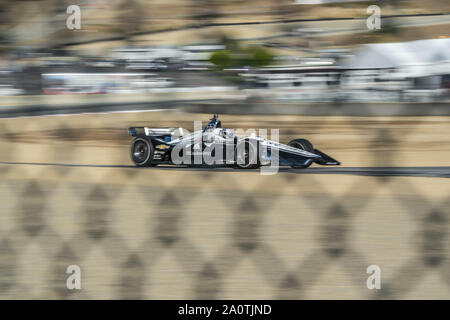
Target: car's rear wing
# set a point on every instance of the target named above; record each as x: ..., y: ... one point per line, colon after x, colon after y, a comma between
x: 156, y: 132
x: 136, y: 131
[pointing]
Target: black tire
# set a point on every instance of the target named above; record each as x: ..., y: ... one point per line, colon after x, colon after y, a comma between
x: 247, y: 156
x: 142, y: 152
x: 304, y: 145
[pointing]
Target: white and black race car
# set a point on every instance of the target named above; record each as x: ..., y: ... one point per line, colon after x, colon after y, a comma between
x: 217, y: 146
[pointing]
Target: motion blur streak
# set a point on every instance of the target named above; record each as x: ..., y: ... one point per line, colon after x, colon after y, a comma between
x: 375, y: 99
x: 175, y: 233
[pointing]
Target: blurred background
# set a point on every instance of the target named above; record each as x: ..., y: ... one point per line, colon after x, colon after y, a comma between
x: 376, y: 100
x: 283, y: 51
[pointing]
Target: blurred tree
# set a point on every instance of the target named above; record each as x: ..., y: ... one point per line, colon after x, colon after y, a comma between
x: 259, y: 57
x: 222, y: 59
x: 234, y: 55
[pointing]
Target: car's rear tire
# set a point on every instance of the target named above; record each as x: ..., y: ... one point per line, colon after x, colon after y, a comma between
x: 304, y: 145
x: 247, y: 155
x: 142, y: 152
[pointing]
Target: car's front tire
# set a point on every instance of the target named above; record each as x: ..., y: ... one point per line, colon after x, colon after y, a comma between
x: 142, y: 152
x: 304, y: 145
x: 247, y: 155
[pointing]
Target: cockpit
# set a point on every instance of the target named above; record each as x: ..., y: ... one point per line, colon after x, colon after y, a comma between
x: 214, y: 131
x: 218, y: 134
x: 213, y: 123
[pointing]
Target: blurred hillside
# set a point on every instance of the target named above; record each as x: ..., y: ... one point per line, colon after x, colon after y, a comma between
x: 137, y: 47
x: 42, y: 23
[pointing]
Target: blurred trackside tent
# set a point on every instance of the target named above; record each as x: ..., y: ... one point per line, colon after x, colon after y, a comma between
x: 414, y: 59
x: 421, y: 66
x: 398, y: 54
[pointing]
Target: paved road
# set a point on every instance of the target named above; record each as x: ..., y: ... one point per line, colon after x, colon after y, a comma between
x: 439, y: 172
x: 234, y: 106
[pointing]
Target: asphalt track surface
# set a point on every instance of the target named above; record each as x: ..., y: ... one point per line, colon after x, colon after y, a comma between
x: 221, y: 107
x: 436, y: 172
x: 44, y: 110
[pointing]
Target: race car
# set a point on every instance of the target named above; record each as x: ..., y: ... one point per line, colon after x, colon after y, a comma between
x: 217, y: 146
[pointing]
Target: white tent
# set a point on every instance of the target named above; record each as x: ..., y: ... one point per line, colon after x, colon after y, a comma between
x: 402, y: 54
